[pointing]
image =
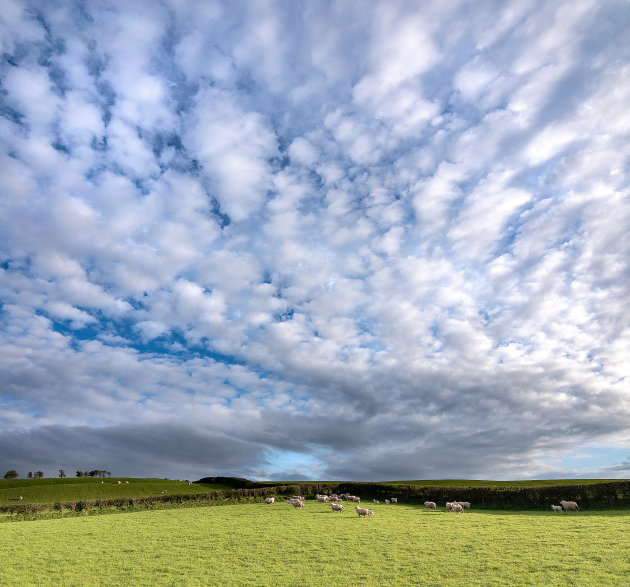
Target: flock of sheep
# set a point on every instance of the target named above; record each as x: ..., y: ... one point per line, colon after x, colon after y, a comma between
x: 297, y: 501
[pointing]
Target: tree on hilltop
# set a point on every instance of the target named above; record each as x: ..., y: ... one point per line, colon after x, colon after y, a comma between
x: 10, y: 474
x: 62, y: 473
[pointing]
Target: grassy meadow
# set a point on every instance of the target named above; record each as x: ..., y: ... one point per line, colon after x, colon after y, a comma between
x: 52, y: 490
x: 257, y: 544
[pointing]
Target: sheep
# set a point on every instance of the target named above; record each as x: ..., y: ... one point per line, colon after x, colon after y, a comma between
x: 21, y: 498
x: 430, y: 505
x: 377, y: 502
x: 296, y: 503
x: 322, y: 498
x: 556, y: 508
x: 449, y: 506
x: 364, y: 512
x: 354, y: 498
x: 127, y: 482
x: 165, y: 491
x: 387, y: 502
x: 270, y: 500
x: 118, y: 482
x: 190, y: 483
x: 464, y: 504
x: 569, y: 505
x: 394, y: 500
x: 455, y: 507
x: 336, y: 507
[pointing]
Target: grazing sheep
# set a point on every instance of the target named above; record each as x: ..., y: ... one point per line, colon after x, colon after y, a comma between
x: 364, y: 512
x: 430, y: 505
x: 569, y: 505
x: 296, y: 503
x: 455, y: 507
x: 336, y: 507
x: 118, y: 482
x: 190, y: 483
x: 354, y: 498
x: 394, y: 500
x: 387, y: 502
x: 322, y: 498
x: 464, y: 504
x: 270, y: 500
x: 449, y: 506
x: 556, y: 508
x: 21, y: 498
x: 165, y: 491
x: 377, y: 502
x: 127, y: 482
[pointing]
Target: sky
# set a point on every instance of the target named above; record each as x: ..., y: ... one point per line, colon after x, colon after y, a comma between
x: 341, y: 240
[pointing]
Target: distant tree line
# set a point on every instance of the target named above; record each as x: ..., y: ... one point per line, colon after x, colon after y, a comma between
x: 12, y: 474
x: 94, y: 473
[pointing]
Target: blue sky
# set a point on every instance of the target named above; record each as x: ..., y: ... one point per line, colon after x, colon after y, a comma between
x: 282, y: 239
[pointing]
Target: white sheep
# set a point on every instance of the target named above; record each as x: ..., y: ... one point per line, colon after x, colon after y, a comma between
x: 464, y: 504
x: 322, y: 498
x: 455, y: 507
x: 270, y: 500
x: 354, y: 498
x: 21, y: 498
x: 336, y: 507
x: 296, y: 503
x: 394, y: 500
x: 377, y: 502
x: 430, y: 505
x: 556, y: 508
x: 387, y: 502
x: 449, y: 506
x: 364, y: 512
x: 165, y: 491
x: 569, y: 505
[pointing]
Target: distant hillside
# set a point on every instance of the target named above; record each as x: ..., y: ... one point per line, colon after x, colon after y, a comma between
x: 54, y: 490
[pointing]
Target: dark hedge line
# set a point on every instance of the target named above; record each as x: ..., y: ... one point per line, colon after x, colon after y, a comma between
x: 124, y: 503
x: 612, y: 494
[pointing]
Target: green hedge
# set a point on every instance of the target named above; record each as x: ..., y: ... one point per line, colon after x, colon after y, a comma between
x: 613, y: 494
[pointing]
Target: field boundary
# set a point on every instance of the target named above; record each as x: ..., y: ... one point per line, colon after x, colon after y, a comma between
x: 593, y: 496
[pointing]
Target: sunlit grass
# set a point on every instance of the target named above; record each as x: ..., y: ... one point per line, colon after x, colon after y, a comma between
x: 256, y: 544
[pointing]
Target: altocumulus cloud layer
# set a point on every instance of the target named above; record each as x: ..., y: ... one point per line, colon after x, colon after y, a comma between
x: 307, y: 239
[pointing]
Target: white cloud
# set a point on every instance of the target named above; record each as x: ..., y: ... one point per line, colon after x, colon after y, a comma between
x: 364, y: 235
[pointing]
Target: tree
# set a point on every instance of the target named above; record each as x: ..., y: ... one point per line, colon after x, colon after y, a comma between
x: 62, y: 473
x: 79, y: 473
x: 10, y: 474
x: 30, y: 475
x: 39, y: 474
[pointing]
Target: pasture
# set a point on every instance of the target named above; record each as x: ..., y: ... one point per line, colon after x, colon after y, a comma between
x: 258, y: 544
x: 53, y: 490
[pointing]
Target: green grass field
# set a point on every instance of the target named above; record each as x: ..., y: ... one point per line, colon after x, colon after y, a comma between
x: 73, y: 489
x: 482, y: 483
x: 256, y: 544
